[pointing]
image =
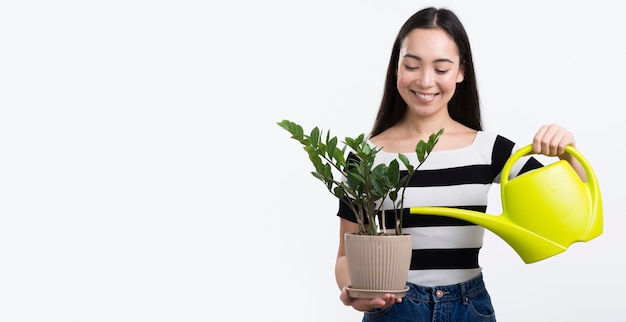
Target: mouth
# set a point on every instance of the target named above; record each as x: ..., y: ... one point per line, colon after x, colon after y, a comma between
x: 424, y: 96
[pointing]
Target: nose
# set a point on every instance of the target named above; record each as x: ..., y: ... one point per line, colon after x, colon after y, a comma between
x: 426, y: 78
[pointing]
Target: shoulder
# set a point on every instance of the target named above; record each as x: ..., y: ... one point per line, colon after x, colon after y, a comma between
x: 493, y: 141
x: 494, y: 147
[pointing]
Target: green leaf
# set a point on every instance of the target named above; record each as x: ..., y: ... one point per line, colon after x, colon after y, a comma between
x: 331, y: 145
x: 293, y: 128
x: 355, y: 177
x: 434, y: 138
x: 315, y: 136
x: 350, y: 142
x: 393, y: 172
x: 339, y: 157
x: 338, y: 192
x: 378, y: 185
x: 366, y: 149
x: 421, y: 150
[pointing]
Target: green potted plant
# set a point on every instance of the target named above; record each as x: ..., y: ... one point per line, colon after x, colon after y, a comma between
x: 356, y: 179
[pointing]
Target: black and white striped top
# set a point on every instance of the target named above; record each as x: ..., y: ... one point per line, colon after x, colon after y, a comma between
x: 445, y: 250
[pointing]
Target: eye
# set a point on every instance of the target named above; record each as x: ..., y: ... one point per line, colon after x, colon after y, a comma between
x: 441, y: 71
x: 410, y: 67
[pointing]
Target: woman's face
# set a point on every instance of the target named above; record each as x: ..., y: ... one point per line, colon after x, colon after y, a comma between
x: 429, y: 68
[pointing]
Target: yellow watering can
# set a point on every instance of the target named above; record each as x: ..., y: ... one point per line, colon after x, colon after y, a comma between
x: 544, y: 210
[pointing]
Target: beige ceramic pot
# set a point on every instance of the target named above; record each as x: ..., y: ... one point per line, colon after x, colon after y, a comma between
x: 378, y: 264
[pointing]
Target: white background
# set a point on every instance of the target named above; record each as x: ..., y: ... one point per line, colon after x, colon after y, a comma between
x: 138, y: 140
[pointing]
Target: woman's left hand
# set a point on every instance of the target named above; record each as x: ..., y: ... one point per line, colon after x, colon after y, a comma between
x: 551, y: 140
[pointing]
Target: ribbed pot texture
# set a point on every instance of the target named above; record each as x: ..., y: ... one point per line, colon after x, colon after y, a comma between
x: 378, y: 262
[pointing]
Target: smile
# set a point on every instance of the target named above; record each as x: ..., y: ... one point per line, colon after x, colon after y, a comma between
x: 424, y: 96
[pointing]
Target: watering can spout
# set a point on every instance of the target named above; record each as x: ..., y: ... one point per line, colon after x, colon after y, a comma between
x: 544, y: 210
x: 530, y: 246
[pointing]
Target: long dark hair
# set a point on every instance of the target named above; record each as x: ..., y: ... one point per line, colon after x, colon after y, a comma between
x: 464, y: 106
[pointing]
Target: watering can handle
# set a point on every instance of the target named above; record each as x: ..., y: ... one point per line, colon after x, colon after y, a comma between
x: 528, y: 149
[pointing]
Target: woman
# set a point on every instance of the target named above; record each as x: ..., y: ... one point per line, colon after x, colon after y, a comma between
x: 431, y: 85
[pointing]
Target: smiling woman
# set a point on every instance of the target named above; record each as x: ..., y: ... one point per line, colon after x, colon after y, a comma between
x: 431, y: 85
x: 531, y: 62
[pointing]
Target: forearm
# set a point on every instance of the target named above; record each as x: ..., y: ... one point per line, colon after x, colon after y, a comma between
x: 576, y: 165
x: 341, y: 272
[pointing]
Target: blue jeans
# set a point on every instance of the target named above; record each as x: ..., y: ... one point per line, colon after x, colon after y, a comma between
x: 467, y: 301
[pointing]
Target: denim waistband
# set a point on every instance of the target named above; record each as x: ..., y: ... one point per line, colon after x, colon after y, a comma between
x: 460, y: 291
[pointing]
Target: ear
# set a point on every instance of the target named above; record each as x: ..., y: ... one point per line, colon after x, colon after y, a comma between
x: 461, y: 76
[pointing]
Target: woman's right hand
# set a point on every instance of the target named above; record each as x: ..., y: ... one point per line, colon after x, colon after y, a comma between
x: 364, y: 305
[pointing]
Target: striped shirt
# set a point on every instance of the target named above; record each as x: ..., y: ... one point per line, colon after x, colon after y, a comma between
x: 445, y: 249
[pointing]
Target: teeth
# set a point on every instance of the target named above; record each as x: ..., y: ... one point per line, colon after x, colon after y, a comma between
x: 425, y: 96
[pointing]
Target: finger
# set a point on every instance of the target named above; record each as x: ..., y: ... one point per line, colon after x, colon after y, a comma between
x: 560, y: 145
x: 561, y: 139
x: 537, y: 140
x: 390, y: 300
x: 366, y: 305
x: 568, y: 139
x: 551, y: 140
x: 345, y: 297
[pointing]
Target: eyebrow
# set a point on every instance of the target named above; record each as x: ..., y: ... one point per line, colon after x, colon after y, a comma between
x: 440, y: 60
